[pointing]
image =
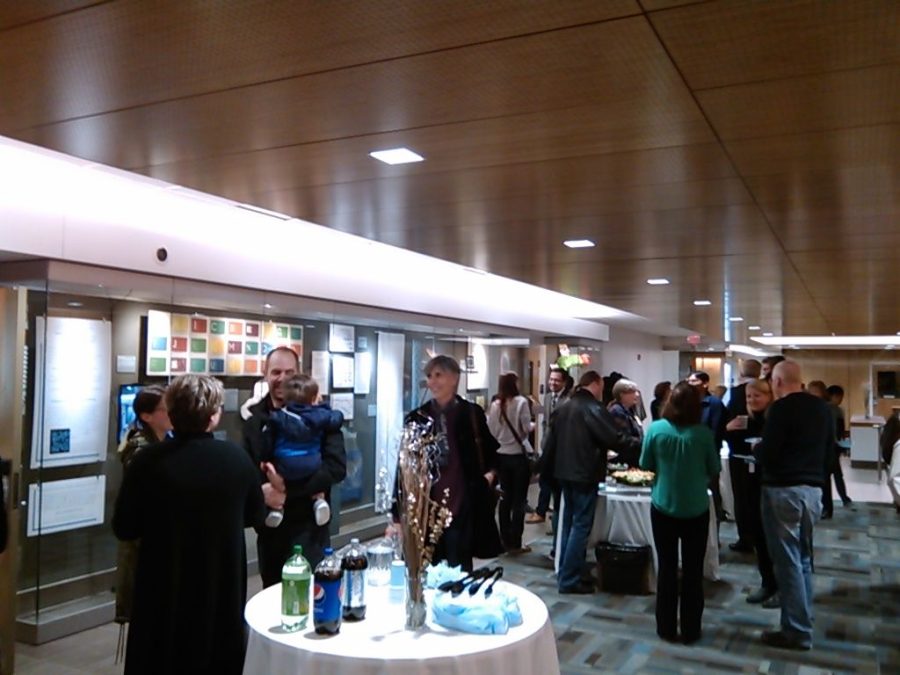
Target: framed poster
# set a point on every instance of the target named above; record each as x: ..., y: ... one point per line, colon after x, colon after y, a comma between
x: 341, y: 338
x: 342, y: 371
x: 58, y: 505
x: 73, y: 378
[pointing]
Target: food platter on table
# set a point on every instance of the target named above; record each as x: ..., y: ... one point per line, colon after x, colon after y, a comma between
x: 634, y: 477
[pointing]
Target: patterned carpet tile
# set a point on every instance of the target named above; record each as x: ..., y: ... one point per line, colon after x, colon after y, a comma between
x: 857, y: 605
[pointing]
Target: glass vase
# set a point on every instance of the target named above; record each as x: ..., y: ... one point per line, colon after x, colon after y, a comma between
x: 415, y: 601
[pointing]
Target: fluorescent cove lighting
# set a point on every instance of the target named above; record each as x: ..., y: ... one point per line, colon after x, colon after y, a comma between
x: 735, y: 318
x: 579, y: 243
x: 397, y: 156
x: 660, y: 281
x: 878, y: 341
x: 753, y: 327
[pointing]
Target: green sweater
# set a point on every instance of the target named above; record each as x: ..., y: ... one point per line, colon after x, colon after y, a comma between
x: 684, y: 460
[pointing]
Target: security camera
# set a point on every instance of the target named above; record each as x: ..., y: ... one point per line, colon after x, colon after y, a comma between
x: 162, y: 254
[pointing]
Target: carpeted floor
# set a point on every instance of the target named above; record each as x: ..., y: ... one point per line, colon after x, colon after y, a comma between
x: 857, y: 606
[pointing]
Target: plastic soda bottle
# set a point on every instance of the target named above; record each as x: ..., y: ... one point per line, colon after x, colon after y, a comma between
x: 327, y: 594
x: 295, y: 577
x: 354, y: 564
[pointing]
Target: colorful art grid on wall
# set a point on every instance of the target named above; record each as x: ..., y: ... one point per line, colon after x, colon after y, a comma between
x: 191, y: 343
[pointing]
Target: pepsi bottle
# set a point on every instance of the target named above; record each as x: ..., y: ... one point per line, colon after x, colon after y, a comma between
x: 354, y: 564
x: 327, y: 594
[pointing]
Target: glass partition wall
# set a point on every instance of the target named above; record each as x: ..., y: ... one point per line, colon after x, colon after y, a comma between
x: 94, y: 336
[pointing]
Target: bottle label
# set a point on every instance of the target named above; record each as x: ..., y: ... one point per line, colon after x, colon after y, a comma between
x: 354, y: 588
x: 295, y: 597
x: 327, y: 601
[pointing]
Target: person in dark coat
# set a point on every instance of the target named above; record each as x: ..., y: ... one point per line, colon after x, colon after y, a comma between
x: 468, y: 467
x: 622, y: 409
x: 581, y: 433
x: 296, y: 497
x: 150, y: 426
x: 188, y: 499
x: 738, y: 469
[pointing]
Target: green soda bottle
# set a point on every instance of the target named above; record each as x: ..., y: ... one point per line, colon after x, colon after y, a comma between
x: 295, y: 577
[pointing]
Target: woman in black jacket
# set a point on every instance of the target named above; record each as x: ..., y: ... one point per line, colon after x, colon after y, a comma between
x: 739, y: 430
x: 188, y: 499
x: 467, y: 467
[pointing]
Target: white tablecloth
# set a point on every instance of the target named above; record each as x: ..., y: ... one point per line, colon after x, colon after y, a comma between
x: 623, y: 517
x: 379, y: 645
x: 725, y: 484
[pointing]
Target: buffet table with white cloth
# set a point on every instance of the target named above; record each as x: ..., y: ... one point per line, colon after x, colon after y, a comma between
x: 622, y: 516
x: 379, y: 645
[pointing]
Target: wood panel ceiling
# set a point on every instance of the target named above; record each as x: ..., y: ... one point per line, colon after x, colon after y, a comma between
x: 748, y: 151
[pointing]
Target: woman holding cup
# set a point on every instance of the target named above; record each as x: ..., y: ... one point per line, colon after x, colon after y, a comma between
x: 747, y: 429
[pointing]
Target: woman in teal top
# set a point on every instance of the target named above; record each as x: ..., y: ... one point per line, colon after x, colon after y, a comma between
x: 682, y: 453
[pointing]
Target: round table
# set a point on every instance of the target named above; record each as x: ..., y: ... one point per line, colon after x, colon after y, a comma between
x: 380, y: 644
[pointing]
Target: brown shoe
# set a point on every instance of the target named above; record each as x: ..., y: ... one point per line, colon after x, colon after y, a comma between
x: 534, y: 518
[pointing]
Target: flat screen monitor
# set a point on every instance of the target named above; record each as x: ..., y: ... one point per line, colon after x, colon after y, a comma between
x: 127, y: 392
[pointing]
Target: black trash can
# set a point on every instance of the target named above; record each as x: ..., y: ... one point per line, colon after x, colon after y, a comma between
x: 624, y: 568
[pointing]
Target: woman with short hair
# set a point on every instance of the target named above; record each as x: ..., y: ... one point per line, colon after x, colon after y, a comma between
x: 759, y: 398
x: 682, y: 453
x: 623, y: 410
x: 188, y: 499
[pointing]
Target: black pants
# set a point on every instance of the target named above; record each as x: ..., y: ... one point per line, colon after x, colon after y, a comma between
x: 833, y: 469
x: 549, y: 488
x: 515, y: 476
x: 455, y: 545
x: 692, y: 533
x: 740, y: 476
x: 275, y: 545
x: 754, y: 516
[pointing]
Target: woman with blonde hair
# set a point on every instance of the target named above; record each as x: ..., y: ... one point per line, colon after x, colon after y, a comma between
x: 759, y: 398
x: 188, y: 499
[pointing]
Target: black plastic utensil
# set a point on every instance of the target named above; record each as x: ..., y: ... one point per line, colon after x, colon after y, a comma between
x: 456, y: 587
x: 490, y: 588
x: 474, y: 588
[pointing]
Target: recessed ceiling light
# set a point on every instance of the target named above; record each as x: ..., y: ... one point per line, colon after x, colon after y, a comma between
x: 768, y: 334
x: 396, y: 156
x: 75, y: 303
x: 702, y: 303
x: 658, y: 281
x: 267, y: 305
x: 735, y: 318
x: 753, y: 327
x: 579, y: 243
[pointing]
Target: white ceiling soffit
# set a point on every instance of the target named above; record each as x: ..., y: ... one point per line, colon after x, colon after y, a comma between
x: 60, y: 207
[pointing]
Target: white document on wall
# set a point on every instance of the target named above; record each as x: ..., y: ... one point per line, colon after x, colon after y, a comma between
x: 72, y: 391
x: 362, y: 373
x: 60, y: 505
x: 342, y: 372
x: 319, y: 371
x: 343, y: 403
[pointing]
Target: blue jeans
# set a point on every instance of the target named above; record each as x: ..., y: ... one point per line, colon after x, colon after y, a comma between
x: 578, y: 519
x: 789, y: 514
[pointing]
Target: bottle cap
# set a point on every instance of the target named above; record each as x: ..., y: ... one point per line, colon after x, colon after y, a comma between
x: 298, y: 549
x: 354, y: 540
x: 328, y: 550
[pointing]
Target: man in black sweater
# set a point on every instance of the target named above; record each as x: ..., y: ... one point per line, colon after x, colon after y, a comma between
x: 792, y: 456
